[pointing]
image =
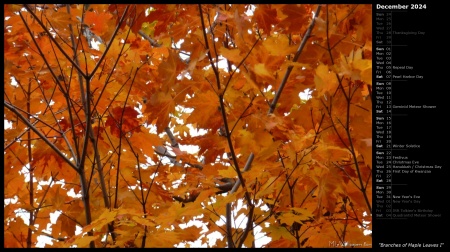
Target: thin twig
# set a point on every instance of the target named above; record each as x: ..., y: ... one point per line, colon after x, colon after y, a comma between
x: 42, y: 136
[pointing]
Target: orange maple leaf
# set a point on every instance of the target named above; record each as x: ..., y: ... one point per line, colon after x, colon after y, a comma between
x: 122, y: 121
x: 297, y: 18
x: 159, y: 107
x: 164, y: 14
x: 168, y: 70
x: 99, y: 23
x: 265, y: 17
x: 205, y: 103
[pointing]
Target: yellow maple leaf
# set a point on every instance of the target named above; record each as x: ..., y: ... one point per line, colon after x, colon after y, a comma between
x: 233, y: 55
x: 356, y: 67
x: 106, y: 217
x: 230, y: 172
x: 325, y: 80
x: 278, y: 46
x: 58, y: 199
x: 261, y: 70
x: 143, y: 221
x: 277, y: 232
x: 190, y: 233
x: 83, y: 242
x: 267, y: 188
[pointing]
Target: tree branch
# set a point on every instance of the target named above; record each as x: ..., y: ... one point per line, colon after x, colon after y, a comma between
x: 297, y: 55
x: 42, y: 136
x: 52, y: 38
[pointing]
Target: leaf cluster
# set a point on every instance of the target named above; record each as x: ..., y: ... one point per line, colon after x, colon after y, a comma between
x: 132, y: 122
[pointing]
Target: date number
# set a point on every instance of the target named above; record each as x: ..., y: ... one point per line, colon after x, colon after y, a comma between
x: 418, y: 6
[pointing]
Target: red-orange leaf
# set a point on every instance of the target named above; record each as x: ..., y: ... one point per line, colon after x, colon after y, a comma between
x: 123, y: 121
x: 296, y: 19
x: 265, y: 17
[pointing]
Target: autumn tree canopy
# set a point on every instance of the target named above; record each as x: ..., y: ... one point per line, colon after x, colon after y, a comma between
x: 134, y: 121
